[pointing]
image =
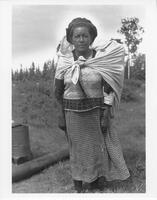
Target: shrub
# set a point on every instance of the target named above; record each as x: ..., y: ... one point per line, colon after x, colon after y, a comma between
x: 133, y: 83
x: 139, y: 67
x: 129, y: 90
x: 128, y: 94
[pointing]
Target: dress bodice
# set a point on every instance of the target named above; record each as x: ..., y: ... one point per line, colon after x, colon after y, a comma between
x: 91, y: 84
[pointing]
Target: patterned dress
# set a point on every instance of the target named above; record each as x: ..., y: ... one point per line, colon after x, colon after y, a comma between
x: 93, y: 153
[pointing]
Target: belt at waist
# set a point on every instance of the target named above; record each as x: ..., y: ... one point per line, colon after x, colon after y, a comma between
x: 83, y: 104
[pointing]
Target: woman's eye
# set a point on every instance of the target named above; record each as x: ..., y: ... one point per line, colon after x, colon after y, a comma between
x: 76, y: 36
x: 83, y: 36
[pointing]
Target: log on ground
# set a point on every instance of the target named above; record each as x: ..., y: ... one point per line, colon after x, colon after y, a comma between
x: 27, y: 169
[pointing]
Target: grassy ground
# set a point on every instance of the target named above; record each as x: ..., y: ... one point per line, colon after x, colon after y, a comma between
x: 130, y: 123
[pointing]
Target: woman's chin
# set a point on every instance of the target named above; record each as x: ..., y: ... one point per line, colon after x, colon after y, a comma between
x: 82, y: 49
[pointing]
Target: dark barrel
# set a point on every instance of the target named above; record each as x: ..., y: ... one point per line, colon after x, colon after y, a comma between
x: 20, y: 143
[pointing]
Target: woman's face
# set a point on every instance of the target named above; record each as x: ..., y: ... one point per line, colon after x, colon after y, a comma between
x: 81, y: 39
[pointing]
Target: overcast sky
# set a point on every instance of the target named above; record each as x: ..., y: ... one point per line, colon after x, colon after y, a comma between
x: 37, y: 29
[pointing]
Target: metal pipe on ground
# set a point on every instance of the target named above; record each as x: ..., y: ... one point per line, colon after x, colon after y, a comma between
x: 27, y: 169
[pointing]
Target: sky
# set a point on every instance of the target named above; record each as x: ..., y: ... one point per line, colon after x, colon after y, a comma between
x: 37, y: 29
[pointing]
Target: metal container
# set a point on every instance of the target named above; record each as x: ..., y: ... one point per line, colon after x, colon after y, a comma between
x: 20, y: 143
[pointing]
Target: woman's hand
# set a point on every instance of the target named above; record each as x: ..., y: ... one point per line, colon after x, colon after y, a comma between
x: 61, y: 121
x: 61, y: 115
x: 105, y: 118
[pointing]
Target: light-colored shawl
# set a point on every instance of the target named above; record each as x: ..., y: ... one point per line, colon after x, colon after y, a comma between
x: 109, y: 62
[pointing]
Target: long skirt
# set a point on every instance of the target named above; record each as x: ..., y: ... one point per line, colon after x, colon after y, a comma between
x: 92, y: 152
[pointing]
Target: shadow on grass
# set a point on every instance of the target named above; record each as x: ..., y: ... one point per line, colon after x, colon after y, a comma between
x: 136, y: 182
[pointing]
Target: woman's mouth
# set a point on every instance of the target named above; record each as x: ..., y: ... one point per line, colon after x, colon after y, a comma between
x: 82, y: 46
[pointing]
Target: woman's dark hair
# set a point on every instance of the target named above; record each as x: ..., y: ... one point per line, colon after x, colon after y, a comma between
x: 79, y: 22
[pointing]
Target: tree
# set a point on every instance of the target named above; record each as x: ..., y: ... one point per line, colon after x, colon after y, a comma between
x: 15, y: 75
x: 21, y: 74
x: 132, y: 31
x: 45, y: 73
x: 38, y: 74
x: 32, y: 72
x: 26, y: 74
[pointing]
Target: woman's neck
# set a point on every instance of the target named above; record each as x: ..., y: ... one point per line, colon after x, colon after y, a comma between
x: 85, y: 54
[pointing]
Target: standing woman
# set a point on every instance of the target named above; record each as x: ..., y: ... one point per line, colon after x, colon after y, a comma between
x: 83, y: 75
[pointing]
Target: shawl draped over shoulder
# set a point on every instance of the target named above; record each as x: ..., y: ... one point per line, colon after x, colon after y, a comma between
x: 109, y: 62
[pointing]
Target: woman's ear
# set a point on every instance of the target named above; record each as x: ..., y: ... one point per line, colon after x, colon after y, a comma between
x: 71, y: 40
x: 91, y: 40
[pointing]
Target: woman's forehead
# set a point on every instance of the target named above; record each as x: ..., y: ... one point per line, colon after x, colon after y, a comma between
x: 80, y: 29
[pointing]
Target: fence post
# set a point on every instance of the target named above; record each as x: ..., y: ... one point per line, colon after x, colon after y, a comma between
x: 128, y: 68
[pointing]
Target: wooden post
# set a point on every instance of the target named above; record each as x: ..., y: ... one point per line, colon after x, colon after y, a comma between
x: 129, y: 68
x: 128, y: 63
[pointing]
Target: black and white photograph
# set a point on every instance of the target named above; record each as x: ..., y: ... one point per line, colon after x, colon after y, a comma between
x: 78, y: 98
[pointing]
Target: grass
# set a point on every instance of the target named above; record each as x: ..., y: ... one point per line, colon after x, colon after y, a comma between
x: 130, y: 124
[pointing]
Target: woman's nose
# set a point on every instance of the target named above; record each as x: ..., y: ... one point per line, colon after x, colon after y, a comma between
x: 81, y: 38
